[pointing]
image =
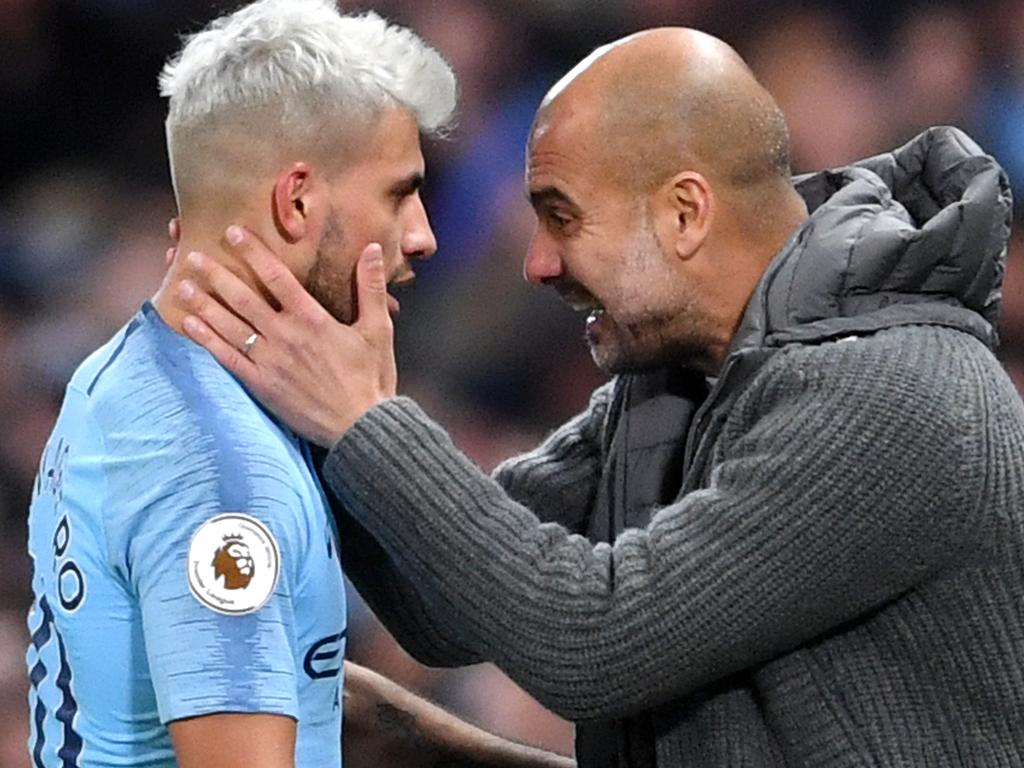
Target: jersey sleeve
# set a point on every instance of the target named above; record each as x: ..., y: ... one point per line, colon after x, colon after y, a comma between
x: 210, y: 540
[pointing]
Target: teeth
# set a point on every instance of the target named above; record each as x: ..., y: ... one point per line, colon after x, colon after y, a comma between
x: 580, y: 301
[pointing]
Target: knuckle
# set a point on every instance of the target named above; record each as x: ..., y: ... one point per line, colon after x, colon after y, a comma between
x: 243, y: 303
x: 276, y: 274
x: 200, y: 302
x: 317, y: 321
x: 234, y: 359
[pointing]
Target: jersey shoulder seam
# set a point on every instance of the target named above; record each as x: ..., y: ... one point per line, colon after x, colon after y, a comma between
x: 134, y: 325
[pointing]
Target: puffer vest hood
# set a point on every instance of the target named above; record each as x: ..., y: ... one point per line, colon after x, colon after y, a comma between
x: 914, y: 235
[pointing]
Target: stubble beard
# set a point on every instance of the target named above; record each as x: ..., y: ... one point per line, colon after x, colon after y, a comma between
x: 325, y: 282
x: 643, y: 338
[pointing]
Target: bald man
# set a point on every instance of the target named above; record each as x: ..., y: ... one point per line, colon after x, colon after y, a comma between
x: 790, y: 530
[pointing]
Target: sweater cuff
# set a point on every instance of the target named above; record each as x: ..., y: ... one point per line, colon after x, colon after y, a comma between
x: 392, y: 465
x: 397, y: 421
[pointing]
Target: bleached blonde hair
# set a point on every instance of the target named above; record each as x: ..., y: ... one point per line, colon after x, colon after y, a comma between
x: 300, y: 57
x: 291, y: 79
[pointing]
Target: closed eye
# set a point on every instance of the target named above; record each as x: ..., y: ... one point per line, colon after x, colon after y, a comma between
x: 406, y: 187
x: 555, y: 207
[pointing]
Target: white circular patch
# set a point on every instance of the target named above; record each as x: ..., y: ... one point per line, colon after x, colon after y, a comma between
x: 233, y: 563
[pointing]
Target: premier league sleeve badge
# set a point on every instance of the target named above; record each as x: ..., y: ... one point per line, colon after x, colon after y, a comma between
x: 233, y: 564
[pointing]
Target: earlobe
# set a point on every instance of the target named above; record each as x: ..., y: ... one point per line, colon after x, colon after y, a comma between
x: 694, y: 204
x: 290, y: 202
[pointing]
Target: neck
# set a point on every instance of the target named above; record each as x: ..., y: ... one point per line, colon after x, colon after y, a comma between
x: 166, y: 300
x: 757, y: 254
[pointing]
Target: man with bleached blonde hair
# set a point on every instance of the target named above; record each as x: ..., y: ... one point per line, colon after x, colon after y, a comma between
x: 150, y: 645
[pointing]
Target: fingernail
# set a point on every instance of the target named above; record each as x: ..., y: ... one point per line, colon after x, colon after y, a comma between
x: 195, y: 259
x: 234, y: 234
x: 186, y: 289
x: 191, y: 325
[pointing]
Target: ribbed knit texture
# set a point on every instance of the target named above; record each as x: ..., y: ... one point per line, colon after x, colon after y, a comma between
x: 839, y: 579
x: 848, y: 589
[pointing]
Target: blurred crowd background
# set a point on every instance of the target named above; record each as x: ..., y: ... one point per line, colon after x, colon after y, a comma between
x: 85, y: 198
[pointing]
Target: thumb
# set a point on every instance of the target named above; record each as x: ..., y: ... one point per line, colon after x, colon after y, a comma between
x: 372, y: 293
x: 174, y: 230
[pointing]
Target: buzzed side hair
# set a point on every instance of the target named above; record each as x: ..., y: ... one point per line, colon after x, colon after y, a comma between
x: 290, y: 74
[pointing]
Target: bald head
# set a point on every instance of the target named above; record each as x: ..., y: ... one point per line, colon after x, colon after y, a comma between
x: 665, y: 100
x: 659, y: 173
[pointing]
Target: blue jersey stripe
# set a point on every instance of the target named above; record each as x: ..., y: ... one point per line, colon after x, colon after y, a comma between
x: 72, y: 746
x: 42, y: 635
x: 39, y: 639
x: 40, y: 720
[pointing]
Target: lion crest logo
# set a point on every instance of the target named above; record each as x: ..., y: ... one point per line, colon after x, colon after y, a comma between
x: 234, y: 562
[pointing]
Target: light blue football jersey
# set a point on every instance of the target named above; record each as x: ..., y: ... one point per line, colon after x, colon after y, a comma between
x: 185, y: 563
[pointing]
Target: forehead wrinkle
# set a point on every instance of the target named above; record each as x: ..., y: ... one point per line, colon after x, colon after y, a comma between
x: 562, y: 152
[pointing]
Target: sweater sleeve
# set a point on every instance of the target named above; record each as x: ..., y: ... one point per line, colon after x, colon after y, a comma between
x: 558, y: 480
x: 404, y: 606
x: 845, y: 475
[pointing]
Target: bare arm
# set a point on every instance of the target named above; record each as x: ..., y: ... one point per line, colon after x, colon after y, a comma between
x: 386, y: 724
x: 231, y: 740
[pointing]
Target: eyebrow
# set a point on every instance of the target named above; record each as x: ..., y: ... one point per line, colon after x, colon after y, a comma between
x: 546, y: 197
x: 411, y: 183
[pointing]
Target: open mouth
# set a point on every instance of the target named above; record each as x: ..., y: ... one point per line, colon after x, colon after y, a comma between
x: 578, y: 298
x: 588, y: 305
x: 594, y: 311
x: 400, y: 283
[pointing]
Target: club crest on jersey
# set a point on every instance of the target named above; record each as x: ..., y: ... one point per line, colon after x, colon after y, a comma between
x: 233, y: 564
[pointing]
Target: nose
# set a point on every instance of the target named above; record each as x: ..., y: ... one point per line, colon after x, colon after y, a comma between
x: 418, y: 241
x: 542, y: 262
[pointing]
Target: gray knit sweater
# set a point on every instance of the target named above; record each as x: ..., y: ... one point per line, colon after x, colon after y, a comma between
x: 840, y: 581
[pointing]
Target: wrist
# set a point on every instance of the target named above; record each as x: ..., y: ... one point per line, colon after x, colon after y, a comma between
x: 337, y: 430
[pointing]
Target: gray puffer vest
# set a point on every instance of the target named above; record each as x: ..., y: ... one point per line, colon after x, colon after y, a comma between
x: 913, y: 237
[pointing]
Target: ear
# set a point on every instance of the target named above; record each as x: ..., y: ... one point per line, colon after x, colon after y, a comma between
x: 693, y: 205
x: 293, y: 197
